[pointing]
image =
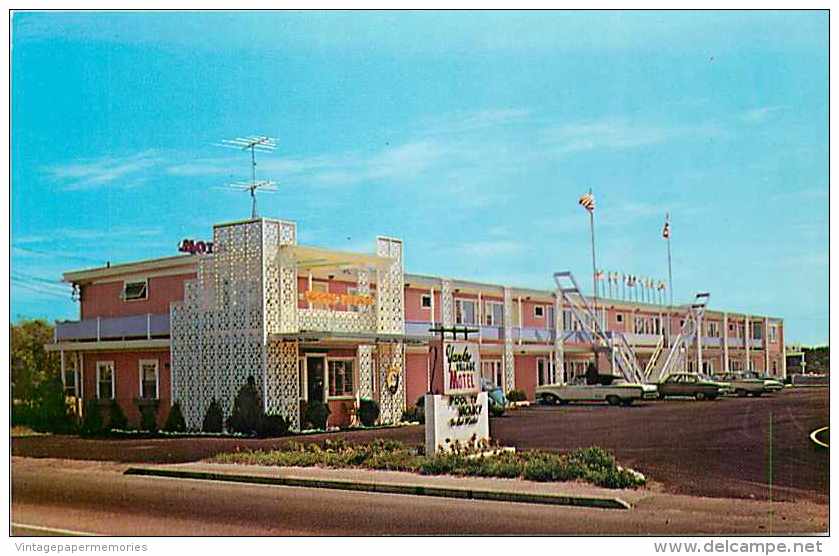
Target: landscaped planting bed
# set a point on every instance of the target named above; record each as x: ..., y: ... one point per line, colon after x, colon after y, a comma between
x: 593, y: 465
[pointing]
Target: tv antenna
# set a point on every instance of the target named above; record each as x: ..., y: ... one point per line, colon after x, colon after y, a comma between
x: 253, y: 144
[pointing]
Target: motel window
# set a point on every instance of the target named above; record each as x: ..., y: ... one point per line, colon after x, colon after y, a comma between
x: 757, y: 331
x: 538, y: 311
x: 105, y: 380
x: 712, y: 329
x: 775, y: 367
x: 135, y: 291
x: 708, y: 367
x: 773, y: 333
x: 542, y: 371
x: 619, y: 317
x: 149, y: 379
x: 492, y: 371
x: 425, y: 303
x: 341, y: 377
x: 301, y: 376
x: 465, y: 311
x: 354, y: 308
x: 70, y: 382
x: 494, y: 313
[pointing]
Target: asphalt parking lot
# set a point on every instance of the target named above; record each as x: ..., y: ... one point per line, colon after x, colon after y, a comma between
x: 712, y: 448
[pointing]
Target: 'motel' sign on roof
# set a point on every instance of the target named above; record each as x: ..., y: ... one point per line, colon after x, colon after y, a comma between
x: 195, y: 247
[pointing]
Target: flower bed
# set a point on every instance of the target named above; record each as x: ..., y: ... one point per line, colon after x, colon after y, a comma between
x: 593, y: 465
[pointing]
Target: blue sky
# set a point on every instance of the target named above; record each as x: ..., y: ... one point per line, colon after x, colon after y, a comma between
x: 469, y: 135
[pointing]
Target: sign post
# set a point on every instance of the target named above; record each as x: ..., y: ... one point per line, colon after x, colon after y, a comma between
x: 460, y: 414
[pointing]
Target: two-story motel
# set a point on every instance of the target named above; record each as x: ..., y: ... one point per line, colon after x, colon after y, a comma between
x: 315, y: 324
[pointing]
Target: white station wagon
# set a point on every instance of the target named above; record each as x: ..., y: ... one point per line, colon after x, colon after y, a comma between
x: 619, y: 393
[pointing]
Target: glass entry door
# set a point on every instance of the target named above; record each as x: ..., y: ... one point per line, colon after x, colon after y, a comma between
x: 315, y: 379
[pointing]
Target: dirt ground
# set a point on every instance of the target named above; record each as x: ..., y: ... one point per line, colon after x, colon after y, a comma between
x: 716, y: 448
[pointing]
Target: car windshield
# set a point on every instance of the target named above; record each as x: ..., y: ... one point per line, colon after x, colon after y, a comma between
x: 497, y: 395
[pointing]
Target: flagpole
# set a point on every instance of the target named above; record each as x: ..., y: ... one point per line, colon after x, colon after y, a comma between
x: 593, y: 261
x: 670, y: 283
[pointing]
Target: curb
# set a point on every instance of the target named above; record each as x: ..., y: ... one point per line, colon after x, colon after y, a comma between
x: 415, y: 490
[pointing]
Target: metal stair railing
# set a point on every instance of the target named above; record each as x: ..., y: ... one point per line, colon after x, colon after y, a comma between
x: 659, y: 347
x: 619, y: 349
x: 678, y: 350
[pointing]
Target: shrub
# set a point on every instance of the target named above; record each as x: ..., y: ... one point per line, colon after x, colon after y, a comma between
x: 213, y: 418
x: 317, y: 414
x: 148, y: 418
x: 92, y: 419
x: 116, y: 417
x: 416, y: 413
x: 593, y: 458
x: 516, y: 396
x: 175, y: 422
x: 272, y: 425
x: 247, y: 409
x: 368, y: 412
x: 49, y: 408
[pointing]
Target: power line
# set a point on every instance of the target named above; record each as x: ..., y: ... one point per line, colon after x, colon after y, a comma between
x: 60, y: 255
x: 51, y: 282
x: 35, y: 289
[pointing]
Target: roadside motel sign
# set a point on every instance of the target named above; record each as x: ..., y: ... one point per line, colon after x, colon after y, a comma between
x: 461, y: 413
x: 461, y: 368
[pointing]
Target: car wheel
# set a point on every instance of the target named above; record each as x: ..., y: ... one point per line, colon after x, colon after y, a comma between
x: 627, y: 402
x: 613, y: 400
x: 562, y: 402
x: 549, y: 399
x: 699, y: 396
x: 757, y: 394
x: 741, y: 393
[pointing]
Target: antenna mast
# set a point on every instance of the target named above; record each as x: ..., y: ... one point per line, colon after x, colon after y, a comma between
x: 253, y: 144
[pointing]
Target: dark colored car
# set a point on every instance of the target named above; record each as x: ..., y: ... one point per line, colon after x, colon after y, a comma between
x: 687, y: 384
x: 496, y: 398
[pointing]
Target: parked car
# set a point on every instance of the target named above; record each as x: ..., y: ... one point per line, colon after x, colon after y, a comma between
x: 495, y: 397
x: 770, y: 385
x: 619, y: 393
x: 743, y: 384
x: 689, y: 384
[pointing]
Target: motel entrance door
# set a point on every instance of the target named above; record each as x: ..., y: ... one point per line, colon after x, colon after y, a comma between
x: 315, y: 378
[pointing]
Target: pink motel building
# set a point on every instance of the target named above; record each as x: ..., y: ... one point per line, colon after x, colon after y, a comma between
x: 316, y: 324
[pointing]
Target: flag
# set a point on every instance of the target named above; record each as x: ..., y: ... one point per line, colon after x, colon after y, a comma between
x: 665, y: 232
x: 587, y: 201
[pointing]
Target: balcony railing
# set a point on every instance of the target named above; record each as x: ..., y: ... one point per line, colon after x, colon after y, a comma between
x: 132, y: 327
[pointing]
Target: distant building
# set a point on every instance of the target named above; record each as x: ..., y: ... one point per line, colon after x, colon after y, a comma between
x: 316, y: 324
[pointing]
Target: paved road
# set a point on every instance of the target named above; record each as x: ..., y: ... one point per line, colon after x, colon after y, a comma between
x: 718, y: 448
x: 93, y: 497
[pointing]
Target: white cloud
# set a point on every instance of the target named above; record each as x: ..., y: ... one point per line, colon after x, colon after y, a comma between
x: 477, y: 120
x: 616, y: 134
x: 126, y: 171
x: 760, y: 114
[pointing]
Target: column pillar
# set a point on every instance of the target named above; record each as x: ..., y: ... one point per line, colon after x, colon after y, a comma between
x: 747, y: 341
x: 725, y: 342
x: 765, y: 345
x: 559, y: 339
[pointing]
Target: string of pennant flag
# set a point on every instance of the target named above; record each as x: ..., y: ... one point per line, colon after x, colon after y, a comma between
x: 631, y: 287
